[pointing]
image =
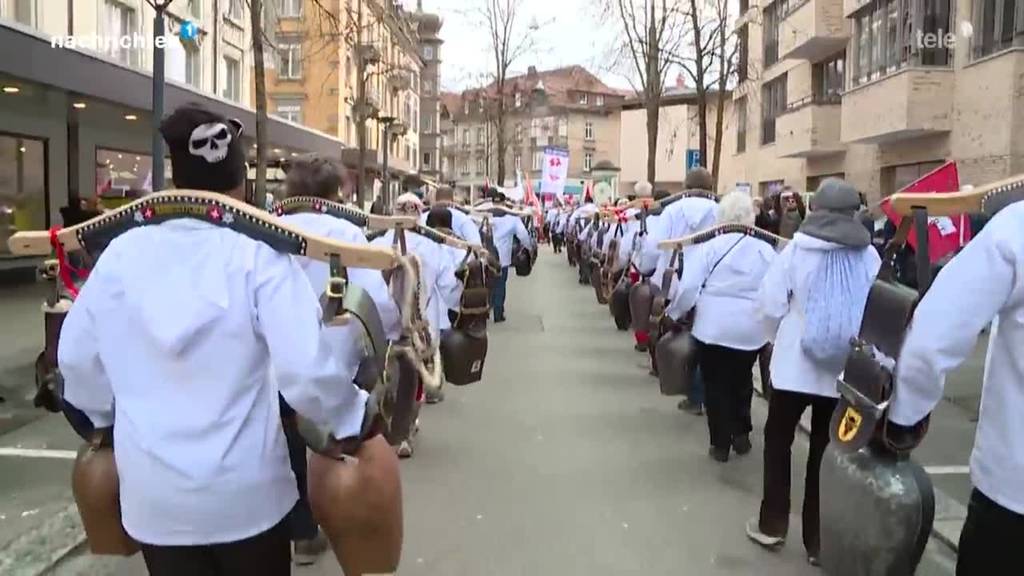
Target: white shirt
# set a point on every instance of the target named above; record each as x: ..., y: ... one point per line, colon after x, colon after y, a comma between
x: 180, y: 323
x: 630, y: 229
x: 783, y: 294
x: 681, y: 218
x: 649, y: 253
x: 463, y: 226
x: 439, y: 289
x: 505, y: 228
x: 551, y: 216
x: 583, y: 211
x: 983, y: 282
x: 726, y: 295
x: 318, y: 272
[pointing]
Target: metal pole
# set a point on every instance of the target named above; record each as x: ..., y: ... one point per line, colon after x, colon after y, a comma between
x: 158, y: 96
x: 386, y: 177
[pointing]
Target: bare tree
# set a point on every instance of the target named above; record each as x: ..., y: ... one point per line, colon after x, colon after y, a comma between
x: 258, y: 38
x: 509, y: 41
x: 652, y: 30
x: 727, y: 52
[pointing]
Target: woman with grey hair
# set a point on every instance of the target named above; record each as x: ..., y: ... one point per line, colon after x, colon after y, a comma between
x: 721, y: 279
x: 814, y: 294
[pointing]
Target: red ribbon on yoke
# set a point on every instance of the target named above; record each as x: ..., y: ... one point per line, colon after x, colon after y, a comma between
x: 64, y: 268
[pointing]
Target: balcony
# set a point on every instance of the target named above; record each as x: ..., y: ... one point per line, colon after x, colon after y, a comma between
x: 907, y: 104
x: 814, y: 31
x: 809, y: 129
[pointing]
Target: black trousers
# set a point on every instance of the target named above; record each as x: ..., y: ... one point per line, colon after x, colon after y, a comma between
x: 784, y: 411
x: 266, y: 554
x: 300, y: 519
x: 728, y: 390
x: 990, y: 540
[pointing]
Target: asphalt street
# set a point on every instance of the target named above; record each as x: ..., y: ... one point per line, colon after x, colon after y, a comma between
x: 564, y: 460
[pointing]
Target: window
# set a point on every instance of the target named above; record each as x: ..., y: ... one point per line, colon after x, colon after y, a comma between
x: 195, y: 8
x: 773, y: 103
x: 519, y: 99
x: 21, y: 11
x: 465, y: 166
x: 588, y: 130
x: 235, y: 9
x: 289, y: 54
x: 428, y: 52
x: 741, y: 125
x: 428, y: 87
x: 290, y: 8
x: 480, y: 136
x: 519, y: 131
x: 426, y: 160
x: 193, y: 66
x: 828, y: 80
x: 588, y: 161
x: 744, y: 53
x: 349, y: 138
x: 538, y: 160
x: 23, y: 187
x: 771, y: 18
x: 428, y: 123
x: 121, y: 21
x: 599, y: 99
x: 769, y: 187
x: 889, y: 35
x: 998, y: 25
x: 535, y: 128
x: 233, y: 79
x: 465, y: 136
x: 814, y: 181
x: 480, y: 166
x: 895, y: 178
x: 563, y: 127
x: 519, y: 162
x: 583, y: 99
x: 290, y: 110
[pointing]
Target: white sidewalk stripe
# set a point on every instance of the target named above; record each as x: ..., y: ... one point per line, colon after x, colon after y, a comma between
x: 941, y: 470
x: 38, y: 453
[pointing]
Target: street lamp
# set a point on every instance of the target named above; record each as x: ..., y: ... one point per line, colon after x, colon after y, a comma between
x: 392, y: 126
x: 160, y: 6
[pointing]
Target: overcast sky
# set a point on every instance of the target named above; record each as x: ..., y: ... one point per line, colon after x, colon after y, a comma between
x: 571, y: 32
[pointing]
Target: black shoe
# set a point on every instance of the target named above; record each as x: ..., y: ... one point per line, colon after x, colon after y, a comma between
x: 499, y: 319
x: 307, y: 552
x: 741, y: 444
x: 719, y: 454
x: 640, y: 347
x: 691, y: 407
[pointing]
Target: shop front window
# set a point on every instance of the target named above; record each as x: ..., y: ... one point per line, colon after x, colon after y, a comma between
x: 23, y: 187
x: 123, y: 176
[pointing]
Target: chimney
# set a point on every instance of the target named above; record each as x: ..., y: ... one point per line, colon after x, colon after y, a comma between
x: 680, y: 80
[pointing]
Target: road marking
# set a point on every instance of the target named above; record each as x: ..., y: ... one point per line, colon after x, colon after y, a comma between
x: 942, y: 470
x: 38, y: 453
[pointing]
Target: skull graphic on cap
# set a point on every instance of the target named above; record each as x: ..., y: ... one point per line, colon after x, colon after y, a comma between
x: 210, y: 141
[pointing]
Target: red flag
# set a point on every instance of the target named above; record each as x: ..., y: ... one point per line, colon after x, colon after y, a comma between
x: 945, y: 235
x: 531, y: 199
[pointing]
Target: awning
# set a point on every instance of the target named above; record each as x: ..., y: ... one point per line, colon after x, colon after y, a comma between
x: 92, y: 75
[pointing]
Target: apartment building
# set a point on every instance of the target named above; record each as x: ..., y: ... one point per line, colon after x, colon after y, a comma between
x: 568, y: 108
x: 428, y: 28
x: 879, y: 92
x: 75, y: 102
x: 321, y: 46
x: 678, y: 147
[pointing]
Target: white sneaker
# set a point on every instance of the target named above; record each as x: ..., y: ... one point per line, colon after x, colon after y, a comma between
x: 755, y: 534
x: 404, y: 449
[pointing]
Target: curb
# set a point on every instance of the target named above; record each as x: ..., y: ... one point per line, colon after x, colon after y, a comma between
x: 39, y: 550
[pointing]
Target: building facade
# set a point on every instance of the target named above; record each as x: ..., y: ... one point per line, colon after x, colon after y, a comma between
x: 75, y: 121
x: 678, y: 144
x: 320, y: 48
x: 568, y: 108
x: 878, y: 92
x: 428, y: 28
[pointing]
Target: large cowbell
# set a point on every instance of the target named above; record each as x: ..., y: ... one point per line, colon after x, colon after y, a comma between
x: 877, y: 505
x: 641, y: 297
x: 676, y: 355
x: 522, y: 260
x: 464, y: 347
x: 618, y: 304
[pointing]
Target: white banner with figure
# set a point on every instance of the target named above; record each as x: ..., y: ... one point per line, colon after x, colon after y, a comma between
x: 556, y: 171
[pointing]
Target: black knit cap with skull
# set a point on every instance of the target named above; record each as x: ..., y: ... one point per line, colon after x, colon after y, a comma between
x: 206, y: 149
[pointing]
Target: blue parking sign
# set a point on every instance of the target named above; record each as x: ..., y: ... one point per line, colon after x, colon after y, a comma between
x: 692, y: 159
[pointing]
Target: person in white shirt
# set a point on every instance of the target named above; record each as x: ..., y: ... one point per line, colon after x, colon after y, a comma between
x: 721, y: 279
x: 176, y: 336
x: 439, y: 289
x: 440, y: 219
x: 982, y: 284
x: 319, y: 178
x: 505, y: 228
x: 462, y: 224
x: 814, y: 294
